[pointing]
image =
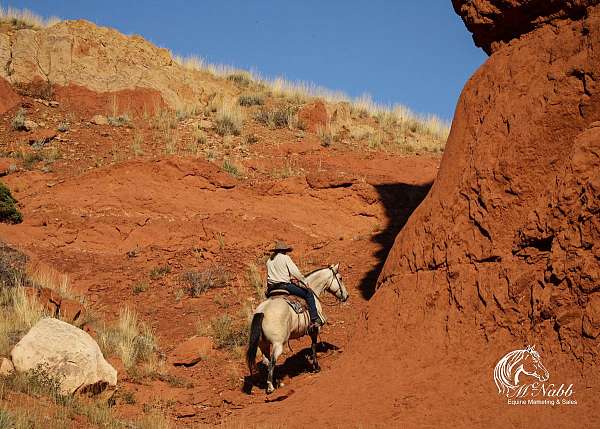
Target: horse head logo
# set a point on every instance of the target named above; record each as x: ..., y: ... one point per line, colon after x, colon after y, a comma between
x: 515, y: 363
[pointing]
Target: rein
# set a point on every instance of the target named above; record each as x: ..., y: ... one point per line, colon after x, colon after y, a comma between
x: 328, y: 287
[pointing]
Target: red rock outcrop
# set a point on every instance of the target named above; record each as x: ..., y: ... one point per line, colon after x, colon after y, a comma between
x: 493, y: 22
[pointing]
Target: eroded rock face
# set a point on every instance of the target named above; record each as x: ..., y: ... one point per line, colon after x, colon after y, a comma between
x: 100, y: 59
x: 67, y: 353
x: 495, y: 21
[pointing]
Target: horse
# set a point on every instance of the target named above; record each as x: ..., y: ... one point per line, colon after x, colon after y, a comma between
x: 274, y: 322
x: 515, y: 363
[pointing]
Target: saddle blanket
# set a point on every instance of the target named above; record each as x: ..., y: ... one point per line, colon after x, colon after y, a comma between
x: 298, y: 304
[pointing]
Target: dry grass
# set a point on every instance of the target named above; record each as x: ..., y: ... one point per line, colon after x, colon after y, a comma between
x: 426, y: 127
x: 199, y: 282
x: 279, y: 117
x: 24, y: 18
x: 18, y: 122
x: 228, y: 333
x: 256, y: 282
x: 18, y: 313
x: 229, y: 119
x: 253, y: 99
x: 132, y: 341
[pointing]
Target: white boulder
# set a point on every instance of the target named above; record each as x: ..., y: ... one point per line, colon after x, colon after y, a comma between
x: 68, y: 354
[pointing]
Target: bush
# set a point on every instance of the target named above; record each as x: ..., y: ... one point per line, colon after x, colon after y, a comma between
x: 18, y: 122
x: 281, y: 117
x: 9, y: 213
x: 251, y: 100
x: 201, y: 281
x: 228, y: 334
x: 229, y: 120
x: 158, y: 272
x: 63, y: 127
x: 240, y: 78
x: 119, y: 121
x: 131, y: 340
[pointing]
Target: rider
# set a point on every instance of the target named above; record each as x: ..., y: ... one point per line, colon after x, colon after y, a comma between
x: 280, y: 271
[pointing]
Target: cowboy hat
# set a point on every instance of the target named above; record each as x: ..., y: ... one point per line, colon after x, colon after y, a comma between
x: 281, y: 246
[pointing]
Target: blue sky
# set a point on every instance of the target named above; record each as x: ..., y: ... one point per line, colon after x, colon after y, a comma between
x: 413, y: 52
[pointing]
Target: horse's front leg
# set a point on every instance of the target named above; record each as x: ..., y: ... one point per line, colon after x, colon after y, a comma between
x: 315, y: 363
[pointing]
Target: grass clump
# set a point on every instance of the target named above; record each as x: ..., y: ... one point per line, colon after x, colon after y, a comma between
x: 18, y: 314
x: 18, y: 121
x: 132, y: 341
x: 280, y: 117
x: 159, y: 272
x: 254, y: 99
x: 63, y: 127
x: 119, y: 121
x: 228, y: 333
x: 199, y: 282
x: 139, y: 287
x: 229, y: 120
x: 9, y: 213
x: 24, y: 18
x: 232, y: 168
x: 240, y: 78
x: 255, y: 280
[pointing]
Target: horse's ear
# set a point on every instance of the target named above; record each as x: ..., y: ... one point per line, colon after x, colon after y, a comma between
x: 336, y: 267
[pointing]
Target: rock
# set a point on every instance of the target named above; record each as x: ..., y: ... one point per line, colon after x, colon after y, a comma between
x: 313, y: 116
x: 38, y: 139
x: 191, y: 351
x: 30, y: 125
x: 7, y: 166
x: 68, y: 353
x: 6, y: 367
x: 329, y: 179
x: 71, y: 311
x: 493, y: 22
x: 53, y: 103
x: 591, y: 317
x: 99, y: 120
x: 8, y: 97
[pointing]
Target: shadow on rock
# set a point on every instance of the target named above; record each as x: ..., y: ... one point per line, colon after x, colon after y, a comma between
x: 399, y: 200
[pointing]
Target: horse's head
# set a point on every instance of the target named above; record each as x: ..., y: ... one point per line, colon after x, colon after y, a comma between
x: 532, y: 364
x: 336, y: 286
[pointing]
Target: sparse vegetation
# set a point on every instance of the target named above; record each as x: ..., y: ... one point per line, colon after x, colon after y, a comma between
x: 199, y: 282
x: 241, y: 78
x: 24, y: 18
x: 159, y: 272
x: 139, y: 287
x: 228, y: 333
x: 325, y: 135
x: 289, y: 169
x: 136, y: 146
x: 232, y: 168
x: 280, y: 117
x: 119, y: 120
x: 18, y: 122
x: 253, y: 99
x: 63, y: 127
x: 229, y: 120
x: 132, y: 341
x: 255, y: 281
x: 9, y: 213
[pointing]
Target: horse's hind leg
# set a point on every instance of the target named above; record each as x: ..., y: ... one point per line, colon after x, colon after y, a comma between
x: 315, y: 363
x: 276, y: 352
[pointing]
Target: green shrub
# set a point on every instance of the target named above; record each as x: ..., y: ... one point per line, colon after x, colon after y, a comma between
x: 9, y: 213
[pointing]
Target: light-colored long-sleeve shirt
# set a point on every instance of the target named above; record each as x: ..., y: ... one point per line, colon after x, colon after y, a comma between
x: 281, y: 269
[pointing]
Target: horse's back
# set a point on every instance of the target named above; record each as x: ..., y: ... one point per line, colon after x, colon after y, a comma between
x: 276, y: 323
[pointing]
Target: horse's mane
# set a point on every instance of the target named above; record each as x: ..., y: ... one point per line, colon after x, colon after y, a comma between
x: 314, y: 271
x: 504, y: 370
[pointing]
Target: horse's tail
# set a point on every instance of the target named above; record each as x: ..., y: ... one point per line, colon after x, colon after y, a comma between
x: 255, y: 335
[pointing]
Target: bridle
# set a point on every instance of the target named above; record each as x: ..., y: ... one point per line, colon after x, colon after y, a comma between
x: 329, y: 287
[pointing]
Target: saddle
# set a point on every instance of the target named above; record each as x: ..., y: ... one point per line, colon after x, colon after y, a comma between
x: 298, y: 304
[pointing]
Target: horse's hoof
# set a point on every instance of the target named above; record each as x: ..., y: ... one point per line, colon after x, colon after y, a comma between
x: 270, y: 389
x: 317, y: 369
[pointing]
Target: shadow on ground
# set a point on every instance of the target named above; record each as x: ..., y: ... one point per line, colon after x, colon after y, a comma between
x: 399, y: 200
x: 293, y: 366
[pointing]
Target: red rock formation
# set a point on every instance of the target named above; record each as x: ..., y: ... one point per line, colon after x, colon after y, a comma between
x: 495, y: 21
